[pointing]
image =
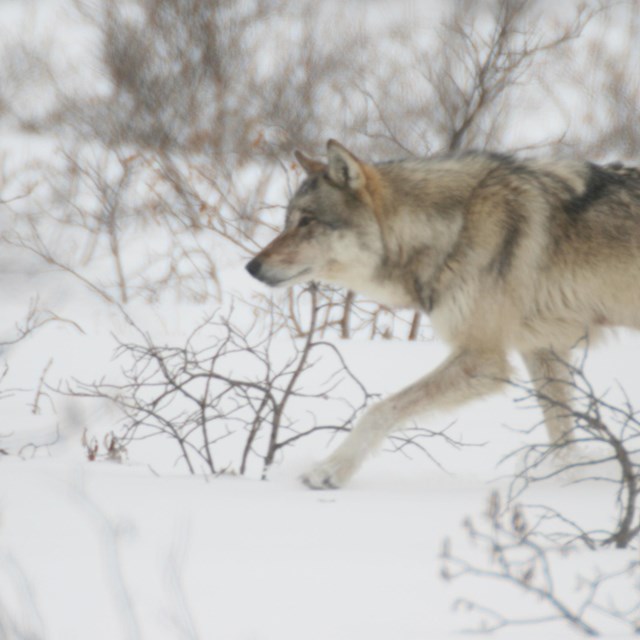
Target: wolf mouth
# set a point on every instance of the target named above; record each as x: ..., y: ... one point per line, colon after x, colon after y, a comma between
x: 272, y: 282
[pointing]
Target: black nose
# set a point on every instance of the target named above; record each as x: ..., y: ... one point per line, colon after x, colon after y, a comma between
x: 254, y: 267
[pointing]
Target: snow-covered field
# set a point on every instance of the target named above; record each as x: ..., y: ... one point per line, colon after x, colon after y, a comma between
x: 106, y: 550
x: 143, y: 549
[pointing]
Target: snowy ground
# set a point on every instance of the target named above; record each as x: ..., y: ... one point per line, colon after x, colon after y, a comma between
x: 143, y: 550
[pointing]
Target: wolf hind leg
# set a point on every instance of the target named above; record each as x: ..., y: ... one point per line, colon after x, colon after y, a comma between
x: 467, y: 374
x: 551, y: 378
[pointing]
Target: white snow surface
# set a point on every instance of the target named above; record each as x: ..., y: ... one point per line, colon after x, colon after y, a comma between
x: 99, y: 550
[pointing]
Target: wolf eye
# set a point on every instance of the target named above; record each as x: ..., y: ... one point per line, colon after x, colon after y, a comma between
x: 304, y: 221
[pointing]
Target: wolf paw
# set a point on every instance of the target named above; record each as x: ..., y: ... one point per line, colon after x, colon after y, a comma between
x: 330, y: 474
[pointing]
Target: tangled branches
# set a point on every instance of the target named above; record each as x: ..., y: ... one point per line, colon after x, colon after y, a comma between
x: 602, y: 449
x: 512, y: 552
x: 540, y: 547
x: 195, y: 396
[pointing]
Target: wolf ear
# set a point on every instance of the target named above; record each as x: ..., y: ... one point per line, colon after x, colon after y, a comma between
x: 344, y: 168
x: 308, y: 164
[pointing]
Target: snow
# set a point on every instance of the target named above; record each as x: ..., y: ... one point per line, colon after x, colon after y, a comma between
x: 142, y: 549
x: 127, y: 551
x: 266, y: 560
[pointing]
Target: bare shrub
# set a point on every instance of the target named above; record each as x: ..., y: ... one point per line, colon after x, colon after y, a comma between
x: 172, y: 67
x: 33, y: 321
x: 27, y: 86
x: 154, y: 222
x: 35, y: 318
x: 200, y: 76
x: 81, y: 210
x: 346, y: 315
x: 606, y: 125
x: 113, y: 449
x: 602, y: 449
x: 512, y: 547
x: 233, y: 398
x: 193, y: 397
x: 205, y: 77
x: 463, y: 89
x: 534, y: 545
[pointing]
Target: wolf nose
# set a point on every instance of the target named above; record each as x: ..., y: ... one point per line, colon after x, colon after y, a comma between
x: 254, y: 267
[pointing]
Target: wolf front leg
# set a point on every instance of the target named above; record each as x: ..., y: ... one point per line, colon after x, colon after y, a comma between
x: 550, y: 373
x: 467, y: 374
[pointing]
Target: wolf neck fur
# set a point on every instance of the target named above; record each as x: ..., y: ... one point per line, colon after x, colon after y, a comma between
x: 418, y: 268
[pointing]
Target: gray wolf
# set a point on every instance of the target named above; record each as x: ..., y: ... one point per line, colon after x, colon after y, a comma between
x: 504, y: 254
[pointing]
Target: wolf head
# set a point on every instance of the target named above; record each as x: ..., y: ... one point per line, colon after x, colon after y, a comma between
x: 331, y: 232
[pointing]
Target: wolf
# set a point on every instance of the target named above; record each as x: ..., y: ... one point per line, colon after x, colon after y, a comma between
x: 504, y: 254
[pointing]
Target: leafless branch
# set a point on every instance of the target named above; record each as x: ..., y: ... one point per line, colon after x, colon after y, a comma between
x: 191, y: 395
x: 510, y: 549
x: 602, y: 448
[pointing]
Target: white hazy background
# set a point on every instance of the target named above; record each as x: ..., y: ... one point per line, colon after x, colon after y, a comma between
x: 145, y: 154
